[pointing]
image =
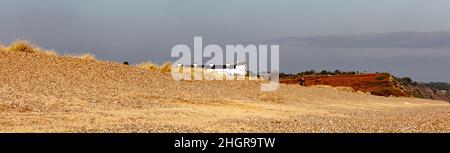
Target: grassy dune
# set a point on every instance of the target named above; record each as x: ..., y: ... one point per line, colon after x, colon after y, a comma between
x: 44, y: 92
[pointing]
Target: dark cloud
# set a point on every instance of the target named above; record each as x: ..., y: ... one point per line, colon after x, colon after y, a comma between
x: 421, y: 55
x: 439, y: 39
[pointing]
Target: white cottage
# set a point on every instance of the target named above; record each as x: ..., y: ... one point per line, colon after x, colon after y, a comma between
x: 237, y: 69
x: 228, y: 69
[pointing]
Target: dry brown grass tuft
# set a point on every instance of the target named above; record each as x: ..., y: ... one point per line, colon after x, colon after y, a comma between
x: 22, y: 46
x: 28, y: 47
x: 148, y: 66
x: 50, y: 53
x: 166, y: 67
x: 86, y: 56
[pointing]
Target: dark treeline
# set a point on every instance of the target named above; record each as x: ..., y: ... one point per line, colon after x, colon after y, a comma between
x: 323, y: 72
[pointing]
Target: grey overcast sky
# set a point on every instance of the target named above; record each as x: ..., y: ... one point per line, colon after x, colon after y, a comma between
x: 140, y: 30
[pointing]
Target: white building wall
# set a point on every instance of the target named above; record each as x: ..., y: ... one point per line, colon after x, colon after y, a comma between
x: 239, y: 70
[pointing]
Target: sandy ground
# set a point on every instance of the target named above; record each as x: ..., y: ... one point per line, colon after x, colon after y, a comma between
x: 40, y: 93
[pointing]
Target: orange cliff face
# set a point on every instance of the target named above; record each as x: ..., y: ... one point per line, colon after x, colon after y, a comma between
x: 381, y: 84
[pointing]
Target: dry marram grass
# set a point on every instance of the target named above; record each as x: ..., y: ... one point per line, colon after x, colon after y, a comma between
x: 166, y: 67
x: 22, y: 46
x: 148, y: 66
x: 27, y: 47
x: 50, y: 53
x: 85, y: 56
